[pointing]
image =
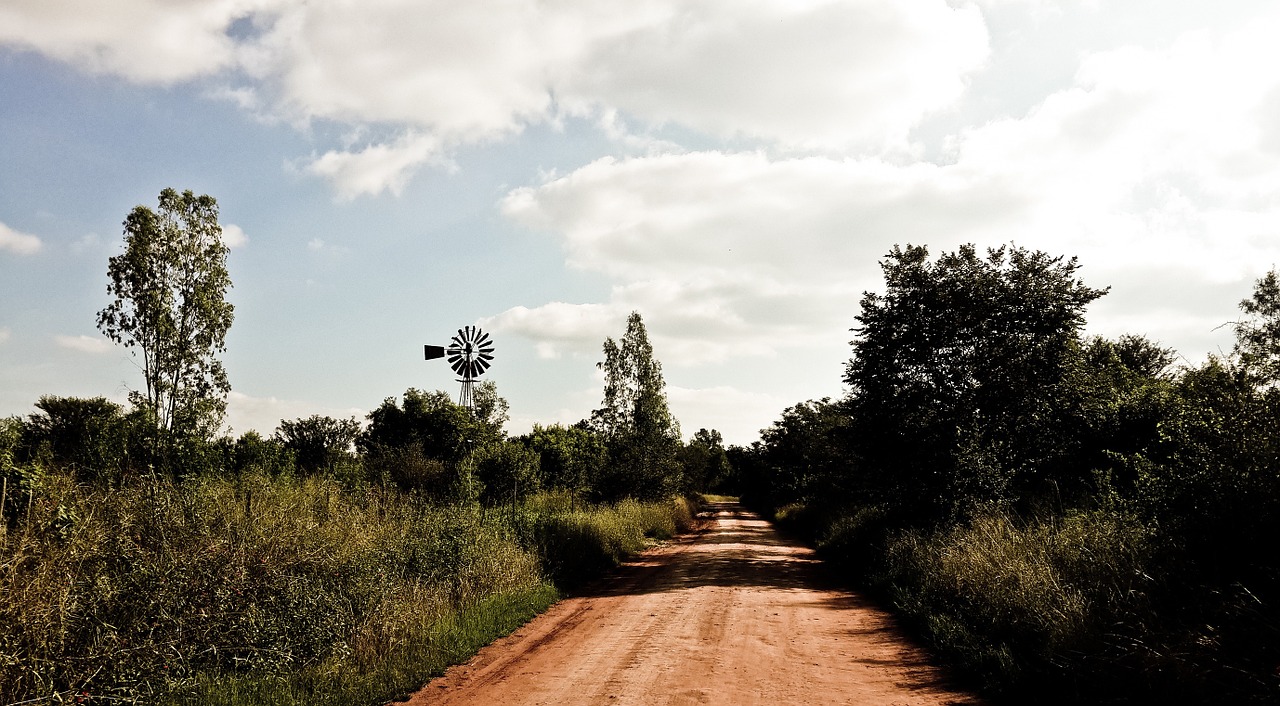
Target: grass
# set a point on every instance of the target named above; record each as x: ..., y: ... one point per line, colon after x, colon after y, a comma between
x: 254, y: 589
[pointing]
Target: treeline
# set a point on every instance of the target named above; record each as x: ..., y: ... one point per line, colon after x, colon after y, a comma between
x: 1067, y: 519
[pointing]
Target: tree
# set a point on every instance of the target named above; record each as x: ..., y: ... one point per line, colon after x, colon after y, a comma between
x: 423, y: 443
x: 569, y: 457
x: 704, y: 465
x: 958, y: 371
x: 1258, y: 335
x: 642, y: 436
x: 170, y: 307
x: 319, y: 443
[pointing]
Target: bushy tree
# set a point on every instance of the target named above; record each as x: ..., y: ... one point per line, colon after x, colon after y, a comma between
x: 422, y: 443
x: 570, y: 457
x: 703, y: 462
x: 642, y: 435
x: 805, y: 454
x: 505, y: 472
x: 958, y: 371
x: 1258, y: 333
x: 253, y: 451
x: 93, y: 437
x: 319, y: 443
x: 170, y: 308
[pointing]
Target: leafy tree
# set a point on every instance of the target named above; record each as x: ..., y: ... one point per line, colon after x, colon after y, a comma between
x: 319, y: 443
x: 569, y: 457
x: 423, y: 443
x: 703, y: 462
x: 805, y: 454
x: 958, y: 371
x: 1258, y: 334
x: 252, y: 451
x: 170, y: 287
x: 91, y: 436
x: 642, y: 436
x: 506, y: 471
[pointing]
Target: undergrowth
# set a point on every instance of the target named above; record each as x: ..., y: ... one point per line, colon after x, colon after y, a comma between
x: 254, y: 589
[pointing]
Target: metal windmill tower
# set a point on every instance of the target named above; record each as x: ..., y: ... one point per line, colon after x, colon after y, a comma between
x: 470, y: 354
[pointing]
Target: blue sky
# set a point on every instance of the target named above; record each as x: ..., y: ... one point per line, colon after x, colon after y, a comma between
x: 389, y: 171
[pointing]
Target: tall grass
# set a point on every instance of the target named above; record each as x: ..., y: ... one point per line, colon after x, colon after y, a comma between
x: 274, y: 587
x: 1016, y: 601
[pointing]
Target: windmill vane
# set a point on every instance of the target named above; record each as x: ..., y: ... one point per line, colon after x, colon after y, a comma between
x: 470, y: 354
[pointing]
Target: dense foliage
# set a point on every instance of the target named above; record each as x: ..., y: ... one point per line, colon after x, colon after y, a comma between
x: 1065, y: 518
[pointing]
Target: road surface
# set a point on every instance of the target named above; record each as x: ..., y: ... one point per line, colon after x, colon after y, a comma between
x: 733, y: 614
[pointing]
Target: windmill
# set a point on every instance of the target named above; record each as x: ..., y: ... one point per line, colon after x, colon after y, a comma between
x: 470, y: 354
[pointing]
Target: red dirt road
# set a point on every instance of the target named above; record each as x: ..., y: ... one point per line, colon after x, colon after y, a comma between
x: 735, y: 614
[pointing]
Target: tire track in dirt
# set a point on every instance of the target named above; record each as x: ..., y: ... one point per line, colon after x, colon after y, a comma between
x: 733, y: 614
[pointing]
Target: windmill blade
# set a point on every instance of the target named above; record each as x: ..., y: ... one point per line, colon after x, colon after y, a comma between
x: 482, y: 339
x: 485, y: 356
x: 484, y: 365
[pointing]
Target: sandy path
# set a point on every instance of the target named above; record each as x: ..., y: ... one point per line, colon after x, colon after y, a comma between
x: 735, y: 614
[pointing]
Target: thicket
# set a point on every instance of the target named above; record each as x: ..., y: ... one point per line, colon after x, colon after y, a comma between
x: 275, y: 586
x: 1067, y: 519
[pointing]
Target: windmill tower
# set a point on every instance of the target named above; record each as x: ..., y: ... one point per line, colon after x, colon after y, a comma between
x: 470, y: 354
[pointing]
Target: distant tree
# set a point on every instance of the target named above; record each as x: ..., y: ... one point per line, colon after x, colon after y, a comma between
x: 642, y: 436
x: 570, y: 457
x: 424, y: 442
x: 958, y: 370
x: 170, y: 307
x: 806, y: 454
x: 704, y: 464
x: 319, y: 443
x: 506, y: 471
x: 93, y: 437
x: 252, y: 451
x: 1258, y: 334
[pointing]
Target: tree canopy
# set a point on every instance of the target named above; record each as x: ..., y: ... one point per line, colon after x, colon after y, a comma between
x: 170, y: 287
x: 642, y: 435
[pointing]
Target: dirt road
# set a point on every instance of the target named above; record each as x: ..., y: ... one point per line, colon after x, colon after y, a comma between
x: 734, y: 614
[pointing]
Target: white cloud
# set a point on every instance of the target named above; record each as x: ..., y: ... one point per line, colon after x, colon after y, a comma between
x: 18, y: 242
x: 737, y: 414
x: 379, y: 167
x: 816, y: 75
x: 264, y: 414
x: 730, y: 255
x: 95, y: 345
x: 819, y: 74
x: 1159, y: 168
x: 5, y: 334
x: 234, y: 236
x: 159, y: 41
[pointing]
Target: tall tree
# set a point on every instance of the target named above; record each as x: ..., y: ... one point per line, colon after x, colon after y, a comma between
x: 170, y: 287
x: 958, y: 370
x: 642, y: 435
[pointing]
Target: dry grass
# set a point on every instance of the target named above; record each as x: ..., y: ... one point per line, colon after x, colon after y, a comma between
x: 128, y: 594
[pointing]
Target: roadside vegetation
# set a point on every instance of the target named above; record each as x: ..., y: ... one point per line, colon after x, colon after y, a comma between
x: 1066, y: 519
x: 147, y: 557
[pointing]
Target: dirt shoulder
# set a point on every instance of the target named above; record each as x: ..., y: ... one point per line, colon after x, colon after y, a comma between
x: 734, y: 614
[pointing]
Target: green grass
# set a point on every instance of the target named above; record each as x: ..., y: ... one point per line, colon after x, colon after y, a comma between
x: 450, y: 641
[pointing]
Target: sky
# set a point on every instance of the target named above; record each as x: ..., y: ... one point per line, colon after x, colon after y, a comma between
x: 389, y: 171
